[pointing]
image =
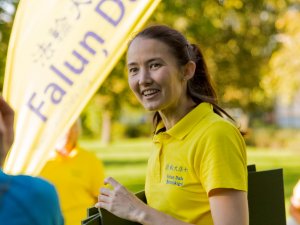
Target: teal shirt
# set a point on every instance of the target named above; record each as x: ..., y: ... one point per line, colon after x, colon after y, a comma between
x: 26, y: 200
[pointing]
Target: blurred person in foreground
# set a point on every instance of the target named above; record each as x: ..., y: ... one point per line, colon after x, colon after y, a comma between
x: 24, y: 200
x: 295, y: 206
x: 76, y: 173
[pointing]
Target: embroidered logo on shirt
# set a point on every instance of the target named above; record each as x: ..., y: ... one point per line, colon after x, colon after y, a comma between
x: 174, y: 174
x: 172, y: 167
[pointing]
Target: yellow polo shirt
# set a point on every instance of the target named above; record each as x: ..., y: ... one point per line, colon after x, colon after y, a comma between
x: 201, y: 152
x: 77, y: 179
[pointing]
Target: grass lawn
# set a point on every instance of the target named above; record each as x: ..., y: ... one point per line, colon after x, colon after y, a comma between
x: 126, y: 161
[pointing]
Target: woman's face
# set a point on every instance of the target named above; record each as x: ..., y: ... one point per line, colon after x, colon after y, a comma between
x: 154, y: 75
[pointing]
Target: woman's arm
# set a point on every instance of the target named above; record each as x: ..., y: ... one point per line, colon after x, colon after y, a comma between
x: 126, y: 205
x: 229, y: 207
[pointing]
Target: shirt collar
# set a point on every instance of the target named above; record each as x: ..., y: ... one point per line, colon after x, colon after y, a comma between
x: 186, y: 124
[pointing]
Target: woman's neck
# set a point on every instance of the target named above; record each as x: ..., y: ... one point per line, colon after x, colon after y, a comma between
x: 171, y: 117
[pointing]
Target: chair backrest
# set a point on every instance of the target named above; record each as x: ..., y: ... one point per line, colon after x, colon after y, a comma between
x: 266, y: 197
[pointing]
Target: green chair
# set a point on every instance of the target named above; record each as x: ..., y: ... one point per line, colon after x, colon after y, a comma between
x: 266, y: 197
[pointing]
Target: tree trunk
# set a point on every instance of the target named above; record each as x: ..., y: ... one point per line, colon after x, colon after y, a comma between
x: 106, y: 127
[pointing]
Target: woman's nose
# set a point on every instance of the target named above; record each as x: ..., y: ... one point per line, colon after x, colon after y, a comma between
x: 145, y: 77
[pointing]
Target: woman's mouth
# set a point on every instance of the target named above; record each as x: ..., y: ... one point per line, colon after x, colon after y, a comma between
x: 149, y: 92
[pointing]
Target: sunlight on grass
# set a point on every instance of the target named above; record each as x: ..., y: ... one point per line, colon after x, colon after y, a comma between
x: 287, y: 160
x: 126, y: 161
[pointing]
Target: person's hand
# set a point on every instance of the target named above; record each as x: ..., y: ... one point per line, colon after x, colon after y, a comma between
x: 120, y: 201
x: 6, y: 128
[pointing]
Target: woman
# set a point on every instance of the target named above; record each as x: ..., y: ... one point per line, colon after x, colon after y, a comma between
x: 197, y: 174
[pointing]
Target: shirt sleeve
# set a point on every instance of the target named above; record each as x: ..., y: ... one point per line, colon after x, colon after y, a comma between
x: 224, y: 163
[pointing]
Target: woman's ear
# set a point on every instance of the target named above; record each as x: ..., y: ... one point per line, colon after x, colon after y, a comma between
x: 189, y: 70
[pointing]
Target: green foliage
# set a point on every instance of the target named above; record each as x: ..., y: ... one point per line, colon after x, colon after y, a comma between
x: 92, y: 117
x: 7, y: 12
x: 274, y: 138
x: 238, y: 39
x: 113, y: 95
x: 137, y: 130
x: 284, y: 79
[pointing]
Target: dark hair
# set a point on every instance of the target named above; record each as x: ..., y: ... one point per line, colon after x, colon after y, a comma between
x: 200, y: 87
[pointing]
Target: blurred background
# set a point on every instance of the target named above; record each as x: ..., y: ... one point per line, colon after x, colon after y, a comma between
x: 252, y: 51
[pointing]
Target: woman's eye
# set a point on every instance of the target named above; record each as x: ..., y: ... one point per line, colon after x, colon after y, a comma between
x: 154, y: 65
x: 132, y: 70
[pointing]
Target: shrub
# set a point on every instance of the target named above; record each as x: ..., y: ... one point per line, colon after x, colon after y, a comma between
x: 275, y: 138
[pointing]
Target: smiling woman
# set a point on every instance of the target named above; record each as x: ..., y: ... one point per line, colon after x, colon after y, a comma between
x: 155, y: 77
x: 197, y: 172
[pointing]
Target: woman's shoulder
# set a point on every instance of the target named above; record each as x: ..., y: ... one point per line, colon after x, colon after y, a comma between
x: 218, y: 128
x: 214, y: 121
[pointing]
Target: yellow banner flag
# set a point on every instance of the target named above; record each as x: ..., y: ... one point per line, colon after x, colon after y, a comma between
x: 59, y: 54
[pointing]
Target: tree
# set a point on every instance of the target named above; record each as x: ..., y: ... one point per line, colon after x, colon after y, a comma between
x: 7, y: 12
x: 106, y: 105
x: 238, y: 39
x: 283, y: 78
